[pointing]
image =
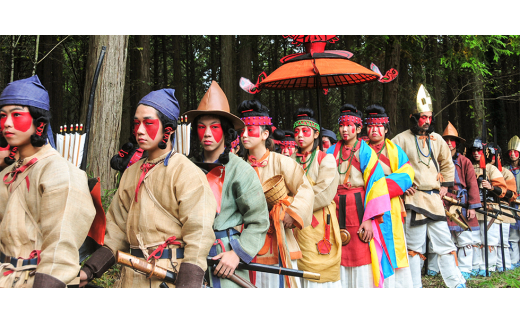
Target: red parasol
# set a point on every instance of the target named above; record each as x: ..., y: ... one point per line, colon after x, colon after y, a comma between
x: 316, y: 68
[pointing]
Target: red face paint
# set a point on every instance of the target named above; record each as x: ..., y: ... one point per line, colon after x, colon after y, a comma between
x: 377, y: 128
x: 424, y: 119
x: 21, y: 120
x: 252, y: 131
x: 305, y: 130
x: 326, y: 143
x: 3, y: 118
x: 452, y: 143
x: 152, y: 126
x: 513, y: 153
x: 137, y: 123
x: 217, y: 132
x: 201, y: 129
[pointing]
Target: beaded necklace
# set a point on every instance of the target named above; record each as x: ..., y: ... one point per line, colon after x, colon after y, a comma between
x: 349, y: 159
x: 382, y: 148
x: 419, y: 152
x: 304, y: 164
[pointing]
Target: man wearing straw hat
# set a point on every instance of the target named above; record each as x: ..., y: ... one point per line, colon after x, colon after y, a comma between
x: 45, y: 206
x: 431, y: 160
x: 464, y: 189
x: 239, y: 195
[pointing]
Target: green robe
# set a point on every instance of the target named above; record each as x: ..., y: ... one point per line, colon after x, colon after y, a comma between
x: 243, y: 202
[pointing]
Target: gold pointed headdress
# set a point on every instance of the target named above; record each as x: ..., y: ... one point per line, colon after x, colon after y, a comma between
x: 424, y: 101
x: 514, y: 143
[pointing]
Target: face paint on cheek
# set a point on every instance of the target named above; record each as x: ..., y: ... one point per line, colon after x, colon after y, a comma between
x: 453, y: 143
x: 423, y: 120
x: 201, y: 129
x: 137, y: 123
x: 152, y: 126
x: 326, y: 144
x: 3, y: 118
x: 513, y: 154
x: 253, y: 131
x: 217, y: 132
x: 22, y: 121
x: 306, y: 132
x: 291, y: 150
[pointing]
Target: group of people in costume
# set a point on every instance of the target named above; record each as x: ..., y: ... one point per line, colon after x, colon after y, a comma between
x: 361, y: 212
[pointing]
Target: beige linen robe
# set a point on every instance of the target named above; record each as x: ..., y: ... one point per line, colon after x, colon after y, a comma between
x: 427, y: 206
x: 52, y: 211
x: 303, y: 199
x: 323, y: 178
x: 173, y: 200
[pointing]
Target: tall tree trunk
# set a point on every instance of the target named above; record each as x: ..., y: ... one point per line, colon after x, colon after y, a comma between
x: 164, y: 64
x: 177, y: 72
x: 478, y: 101
x: 212, y: 57
x: 245, y: 67
x: 106, y: 115
x: 437, y: 93
x: 142, y: 51
x: 349, y: 91
x: 155, y: 62
x: 390, y: 90
x: 127, y: 114
x: 227, y: 81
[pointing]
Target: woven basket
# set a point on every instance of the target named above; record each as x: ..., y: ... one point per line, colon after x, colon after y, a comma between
x: 274, y: 189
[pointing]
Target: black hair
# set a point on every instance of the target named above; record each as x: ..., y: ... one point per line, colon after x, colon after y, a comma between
x: 41, y: 120
x: 253, y: 108
x: 120, y: 161
x: 228, y: 130
x: 169, y: 126
x: 278, y: 134
x: 242, y: 151
x: 414, y: 124
x: 377, y: 111
x: 9, y: 160
x: 308, y: 114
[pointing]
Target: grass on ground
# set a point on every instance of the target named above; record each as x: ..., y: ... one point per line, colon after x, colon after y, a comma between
x: 509, y: 279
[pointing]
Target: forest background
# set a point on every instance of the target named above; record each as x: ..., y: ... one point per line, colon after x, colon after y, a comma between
x: 469, y: 78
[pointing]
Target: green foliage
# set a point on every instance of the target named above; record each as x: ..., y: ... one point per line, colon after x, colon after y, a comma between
x: 508, y: 279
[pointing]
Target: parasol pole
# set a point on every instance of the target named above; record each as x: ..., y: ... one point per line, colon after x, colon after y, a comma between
x: 318, y: 86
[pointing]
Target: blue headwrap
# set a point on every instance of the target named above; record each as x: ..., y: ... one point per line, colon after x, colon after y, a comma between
x: 163, y: 100
x: 28, y: 92
x: 328, y: 133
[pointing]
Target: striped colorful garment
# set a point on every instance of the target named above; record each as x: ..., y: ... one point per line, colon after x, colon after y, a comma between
x: 392, y: 230
x: 377, y: 202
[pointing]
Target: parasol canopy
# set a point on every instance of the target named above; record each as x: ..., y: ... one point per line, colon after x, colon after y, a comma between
x: 316, y: 68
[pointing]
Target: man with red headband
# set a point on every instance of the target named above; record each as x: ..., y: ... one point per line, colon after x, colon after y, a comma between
x: 513, y: 147
x: 361, y: 200
x: 431, y: 160
x: 399, y: 177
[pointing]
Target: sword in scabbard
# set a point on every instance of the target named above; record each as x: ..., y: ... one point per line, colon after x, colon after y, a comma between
x: 271, y: 269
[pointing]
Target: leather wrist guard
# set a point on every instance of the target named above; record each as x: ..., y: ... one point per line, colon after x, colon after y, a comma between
x: 98, y: 263
x: 190, y: 276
